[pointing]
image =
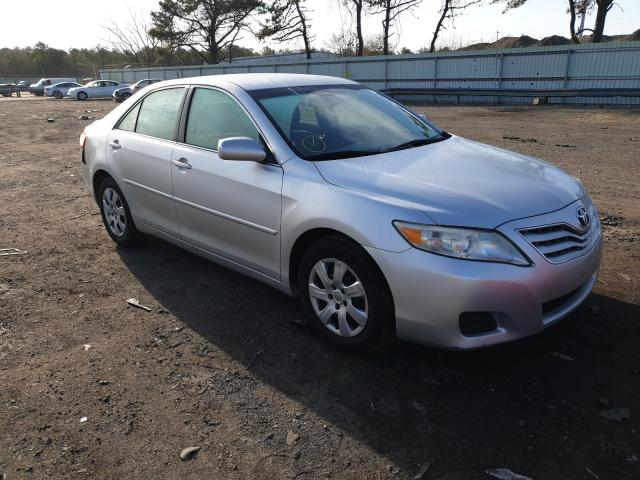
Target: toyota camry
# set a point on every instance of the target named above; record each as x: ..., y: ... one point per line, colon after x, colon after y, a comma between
x: 384, y: 225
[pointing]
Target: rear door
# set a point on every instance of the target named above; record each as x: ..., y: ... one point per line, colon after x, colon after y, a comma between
x: 109, y: 88
x: 229, y: 208
x: 139, y: 152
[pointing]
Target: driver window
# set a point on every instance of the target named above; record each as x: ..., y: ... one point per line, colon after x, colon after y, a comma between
x: 214, y: 116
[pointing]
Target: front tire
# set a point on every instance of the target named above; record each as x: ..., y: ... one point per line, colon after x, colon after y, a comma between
x: 346, y: 296
x: 58, y: 94
x: 116, y: 215
x: 82, y: 96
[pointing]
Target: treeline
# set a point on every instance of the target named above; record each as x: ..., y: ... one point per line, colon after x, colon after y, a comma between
x: 42, y: 60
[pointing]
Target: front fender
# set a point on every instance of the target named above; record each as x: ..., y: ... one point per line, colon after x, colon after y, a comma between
x: 309, y: 202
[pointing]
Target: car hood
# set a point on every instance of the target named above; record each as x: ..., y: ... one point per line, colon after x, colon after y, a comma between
x: 459, y: 182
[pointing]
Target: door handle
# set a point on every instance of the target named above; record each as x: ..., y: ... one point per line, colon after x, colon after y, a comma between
x: 182, y: 163
x: 115, y: 145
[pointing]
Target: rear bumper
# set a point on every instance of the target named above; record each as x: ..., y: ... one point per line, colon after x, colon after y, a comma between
x: 430, y: 292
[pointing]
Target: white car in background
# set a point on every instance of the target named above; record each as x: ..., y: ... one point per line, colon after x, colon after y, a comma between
x: 95, y: 89
x: 60, y: 90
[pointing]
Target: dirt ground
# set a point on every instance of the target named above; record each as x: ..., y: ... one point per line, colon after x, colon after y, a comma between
x: 92, y: 388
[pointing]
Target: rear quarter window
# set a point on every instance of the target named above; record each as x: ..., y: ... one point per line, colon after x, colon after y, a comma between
x: 128, y: 122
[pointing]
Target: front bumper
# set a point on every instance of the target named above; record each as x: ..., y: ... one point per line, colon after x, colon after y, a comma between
x: 430, y: 292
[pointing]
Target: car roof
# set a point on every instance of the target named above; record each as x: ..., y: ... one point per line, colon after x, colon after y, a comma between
x: 260, y: 81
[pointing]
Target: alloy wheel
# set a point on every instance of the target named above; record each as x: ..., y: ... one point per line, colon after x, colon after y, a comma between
x: 114, y: 213
x: 338, y: 297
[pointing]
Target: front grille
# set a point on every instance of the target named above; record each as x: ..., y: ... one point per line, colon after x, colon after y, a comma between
x: 560, y: 242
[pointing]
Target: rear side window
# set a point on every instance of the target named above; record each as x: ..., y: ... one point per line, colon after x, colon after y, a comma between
x: 214, y: 116
x: 128, y: 122
x: 159, y: 113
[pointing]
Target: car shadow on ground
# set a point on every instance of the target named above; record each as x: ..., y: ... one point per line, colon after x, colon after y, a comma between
x: 502, y: 407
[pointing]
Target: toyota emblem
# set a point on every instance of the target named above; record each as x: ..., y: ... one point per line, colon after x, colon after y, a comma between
x: 583, y: 217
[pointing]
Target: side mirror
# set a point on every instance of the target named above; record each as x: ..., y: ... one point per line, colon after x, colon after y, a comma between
x: 242, y: 149
x: 423, y: 116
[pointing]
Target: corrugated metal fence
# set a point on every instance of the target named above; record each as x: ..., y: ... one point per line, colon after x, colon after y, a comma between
x: 606, y: 65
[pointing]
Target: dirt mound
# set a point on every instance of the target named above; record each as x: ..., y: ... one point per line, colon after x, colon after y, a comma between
x: 552, y: 41
x: 504, y: 42
x: 605, y: 38
x: 514, y: 42
x: 475, y: 46
x: 633, y: 36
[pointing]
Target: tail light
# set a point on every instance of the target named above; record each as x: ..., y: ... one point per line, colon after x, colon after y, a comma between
x: 83, y: 140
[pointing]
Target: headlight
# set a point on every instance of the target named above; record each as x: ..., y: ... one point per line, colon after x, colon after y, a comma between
x: 463, y: 243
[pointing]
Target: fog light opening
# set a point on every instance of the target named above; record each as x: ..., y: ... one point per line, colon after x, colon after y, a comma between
x: 477, y: 323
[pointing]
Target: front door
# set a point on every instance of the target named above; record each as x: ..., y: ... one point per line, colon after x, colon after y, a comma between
x: 229, y: 208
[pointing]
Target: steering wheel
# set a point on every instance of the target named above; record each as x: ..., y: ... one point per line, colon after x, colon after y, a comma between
x: 310, y: 141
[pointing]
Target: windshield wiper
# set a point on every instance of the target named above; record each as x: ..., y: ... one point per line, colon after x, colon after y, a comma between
x: 342, y: 154
x: 418, y: 142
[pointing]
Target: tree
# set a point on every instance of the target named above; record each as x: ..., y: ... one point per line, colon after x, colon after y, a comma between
x: 374, y: 45
x: 391, y: 9
x: 206, y: 27
x: 576, y: 6
x: 47, y: 60
x: 450, y: 8
x: 341, y: 43
x: 133, y: 40
x: 357, y: 8
x: 603, y: 7
x: 287, y: 20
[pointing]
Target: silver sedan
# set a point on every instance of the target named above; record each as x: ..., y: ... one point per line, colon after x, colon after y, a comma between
x: 382, y: 224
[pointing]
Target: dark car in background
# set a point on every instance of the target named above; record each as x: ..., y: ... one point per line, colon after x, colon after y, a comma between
x: 8, y: 89
x: 122, y: 94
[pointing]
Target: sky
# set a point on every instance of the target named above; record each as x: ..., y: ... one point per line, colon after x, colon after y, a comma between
x: 80, y: 23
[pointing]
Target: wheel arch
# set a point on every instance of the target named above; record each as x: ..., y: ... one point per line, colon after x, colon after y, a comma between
x: 308, y: 238
x: 98, y: 177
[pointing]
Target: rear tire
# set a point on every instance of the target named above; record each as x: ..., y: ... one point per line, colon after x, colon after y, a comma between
x: 355, y: 310
x: 82, y: 96
x: 116, y: 215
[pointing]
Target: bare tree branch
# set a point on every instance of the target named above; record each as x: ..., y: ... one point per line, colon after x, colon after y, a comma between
x: 133, y: 40
x: 287, y: 20
x: 391, y: 9
x: 449, y: 10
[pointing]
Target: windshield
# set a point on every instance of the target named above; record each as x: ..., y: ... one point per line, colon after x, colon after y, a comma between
x: 343, y: 121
